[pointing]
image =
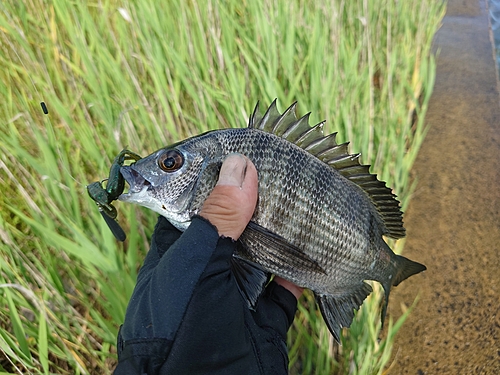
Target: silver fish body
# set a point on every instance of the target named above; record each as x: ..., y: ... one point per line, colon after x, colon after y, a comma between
x: 320, y: 216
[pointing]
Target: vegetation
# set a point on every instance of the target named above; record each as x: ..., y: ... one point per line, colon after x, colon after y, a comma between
x: 144, y: 74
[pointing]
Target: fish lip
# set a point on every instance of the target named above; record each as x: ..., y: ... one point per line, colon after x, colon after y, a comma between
x: 137, y: 183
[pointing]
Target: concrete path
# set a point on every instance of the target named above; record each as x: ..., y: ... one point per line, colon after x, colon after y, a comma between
x: 454, y: 217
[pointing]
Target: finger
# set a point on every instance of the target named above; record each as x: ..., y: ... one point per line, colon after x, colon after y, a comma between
x: 276, y: 309
x: 238, y: 170
x: 233, y: 170
x: 294, y: 289
x: 232, y: 203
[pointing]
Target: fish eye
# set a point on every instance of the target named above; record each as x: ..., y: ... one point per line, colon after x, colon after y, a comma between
x: 170, y: 160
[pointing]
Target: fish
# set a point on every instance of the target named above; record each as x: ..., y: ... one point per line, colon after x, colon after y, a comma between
x: 320, y: 217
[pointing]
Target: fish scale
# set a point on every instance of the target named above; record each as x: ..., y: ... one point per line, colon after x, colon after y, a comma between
x: 320, y: 216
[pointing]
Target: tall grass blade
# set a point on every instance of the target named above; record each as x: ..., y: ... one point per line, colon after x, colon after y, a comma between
x: 145, y: 74
x: 43, y: 344
x: 17, y: 326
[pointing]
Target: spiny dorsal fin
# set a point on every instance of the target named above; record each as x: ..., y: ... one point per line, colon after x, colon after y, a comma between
x: 325, y: 148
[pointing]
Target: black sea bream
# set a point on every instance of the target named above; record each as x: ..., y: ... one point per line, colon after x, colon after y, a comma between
x: 320, y: 216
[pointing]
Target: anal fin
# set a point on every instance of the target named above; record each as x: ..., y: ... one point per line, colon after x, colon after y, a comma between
x: 338, y: 311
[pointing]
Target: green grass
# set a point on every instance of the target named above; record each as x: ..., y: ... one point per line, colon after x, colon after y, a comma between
x: 144, y: 74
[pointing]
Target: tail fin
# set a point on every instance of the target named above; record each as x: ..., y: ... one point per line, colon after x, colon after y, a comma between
x: 404, y: 269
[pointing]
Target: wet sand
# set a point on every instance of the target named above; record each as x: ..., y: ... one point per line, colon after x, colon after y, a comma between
x: 454, y: 216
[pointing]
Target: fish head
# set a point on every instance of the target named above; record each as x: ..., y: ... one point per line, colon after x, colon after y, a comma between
x: 165, y: 181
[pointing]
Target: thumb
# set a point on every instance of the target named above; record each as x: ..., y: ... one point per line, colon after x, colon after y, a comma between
x: 232, y: 203
x: 233, y: 171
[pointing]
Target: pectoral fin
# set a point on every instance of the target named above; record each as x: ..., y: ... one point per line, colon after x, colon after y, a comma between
x: 276, y: 250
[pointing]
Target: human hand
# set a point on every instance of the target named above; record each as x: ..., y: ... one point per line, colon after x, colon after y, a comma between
x: 231, y: 204
x: 187, y: 301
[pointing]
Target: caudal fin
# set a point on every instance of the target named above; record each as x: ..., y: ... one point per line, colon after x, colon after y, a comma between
x: 404, y: 269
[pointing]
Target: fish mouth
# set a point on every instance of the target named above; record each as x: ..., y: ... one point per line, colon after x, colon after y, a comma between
x: 138, y: 185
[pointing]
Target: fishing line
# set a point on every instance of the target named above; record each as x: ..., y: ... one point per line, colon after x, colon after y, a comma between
x: 113, y: 225
x: 46, y: 111
x: 42, y: 103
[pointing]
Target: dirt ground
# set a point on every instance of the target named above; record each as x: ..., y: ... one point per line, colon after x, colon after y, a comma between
x: 454, y: 216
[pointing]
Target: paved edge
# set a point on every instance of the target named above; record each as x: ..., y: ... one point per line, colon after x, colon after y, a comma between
x: 453, y: 218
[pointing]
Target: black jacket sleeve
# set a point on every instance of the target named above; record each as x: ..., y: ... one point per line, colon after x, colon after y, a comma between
x: 186, y: 315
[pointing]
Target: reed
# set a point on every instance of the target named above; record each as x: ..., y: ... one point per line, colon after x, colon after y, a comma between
x: 145, y: 74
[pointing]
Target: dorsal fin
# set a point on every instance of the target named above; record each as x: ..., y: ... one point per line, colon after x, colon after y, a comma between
x: 325, y: 148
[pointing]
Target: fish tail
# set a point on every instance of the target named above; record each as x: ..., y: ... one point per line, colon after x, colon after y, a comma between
x: 404, y: 269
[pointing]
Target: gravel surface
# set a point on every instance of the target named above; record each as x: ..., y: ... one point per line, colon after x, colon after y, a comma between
x: 454, y: 216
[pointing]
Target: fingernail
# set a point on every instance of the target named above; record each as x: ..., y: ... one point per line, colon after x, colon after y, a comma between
x: 233, y: 170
